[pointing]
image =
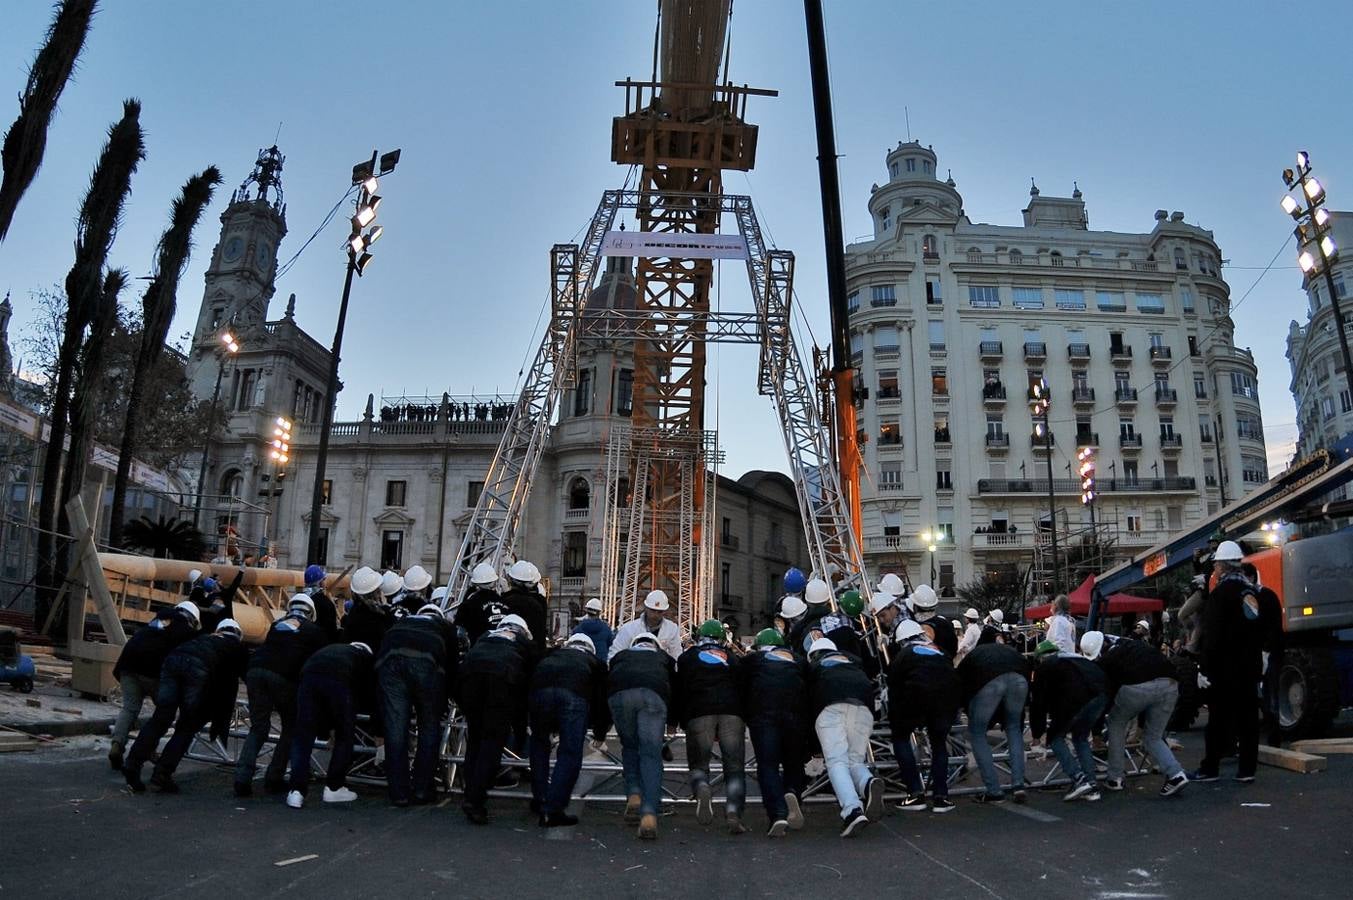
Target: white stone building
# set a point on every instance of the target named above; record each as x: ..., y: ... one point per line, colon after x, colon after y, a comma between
x: 1319, y: 387
x: 952, y: 321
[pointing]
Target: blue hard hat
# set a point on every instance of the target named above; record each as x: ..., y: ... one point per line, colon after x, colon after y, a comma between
x: 210, y: 584
x: 795, y: 582
x: 314, y: 574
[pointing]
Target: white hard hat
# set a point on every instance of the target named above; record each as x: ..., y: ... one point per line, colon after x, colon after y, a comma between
x: 391, y: 584
x: 817, y: 591
x: 430, y: 609
x: 924, y: 597
x: 438, y: 593
x: 483, y: 574
x: 906, y: 630
x: 881, y: 601
x: 230, y: 627
x: 524, y: 572
x: 644, y: 638
x: 1091, y: 643
x: 997, y: 616
x: 1228, y: 551
x: 657, y: 601
x: 417, y: 578
x: 193, y: 575
x: 1143, y: 623
x: 515, y: 621
x: 361, y: 646
x: 957, y: 623
x: 821, y: 645
x: 891, y: 584
x: 540, y: 588
x: 365, y: 581
x: 972, y: 614
x: 304, y: 604
x: 792, y: 607
x: 1165, y: 617
x: 593, y: 605
x: 191, y: 609
x: 583, y: 641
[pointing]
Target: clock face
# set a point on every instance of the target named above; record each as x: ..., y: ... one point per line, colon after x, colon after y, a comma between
x: 233, y: 248
x: 263, y: 255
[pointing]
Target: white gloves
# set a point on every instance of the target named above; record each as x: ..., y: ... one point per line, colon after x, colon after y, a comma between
x: 1203, y: 681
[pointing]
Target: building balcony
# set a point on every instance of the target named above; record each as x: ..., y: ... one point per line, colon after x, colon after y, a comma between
x: 1038, y: 487
x: 1035, y: 350
x: 1130, y: 443
x: 730, y: 541
x: 883, y: 301
x: 1020, y: 540
x: 998, y: 443
x: 1120, y: 355
x: 1205, y: 437
x: 776, y: 551
x: 581, y: 514
x: 1160, y: 356
x: 880, y: 543
x: 1077, y: 352
x: 1040, y: 442
x: 1125, y: 396
x: 885, y: 349
x: 890, y: 485
x: 1082, y: 396
x: 1087, y: 439
x: 1171, y: 443
x: 993, y: 396
x: 991, y: 350
x: 942, y: 436
x: 890, y: 440
x: 571, y: 584
x: 887, y: 395
x: 1166, y: 398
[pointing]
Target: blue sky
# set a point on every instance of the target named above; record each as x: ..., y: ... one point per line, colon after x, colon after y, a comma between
x: 503, y: 113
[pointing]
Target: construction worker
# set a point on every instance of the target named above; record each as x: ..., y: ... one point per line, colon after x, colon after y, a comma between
x: 1141, y: 685
x: 653, y: 620
x: 482, y: 601
x: 414, y: 596
x: 197, y: 677
x: 839, y: 627
x: 795, y: 581
x: 774, y: 702
x: 639, y: 692
x: 924, y: 602
x: 1232, y: 666
x: 706, y: 701
x: 219, y: 602
x: 491, y: 691
x: 923, y: 692
x: 392, y: 586
x: 1272, y: 646
x: 525, y: 600
x: 137, y: 669
x: 1067, y: 700
x: 995, y: 685
x: 1061, y: 629
x: 891, y: 584
x: 326, y: 616
x: 1141, y: 631
x: 841, y: 700
x: 414, y: 671
x: 272, y: 679
x: 335, y: 682
x: 567, y: 694
x: 817, y: 595
x: 368, y: 619
x: 791, y: 610
x: 972, y: 633
x: 992, y: 627
x: 596, y: 629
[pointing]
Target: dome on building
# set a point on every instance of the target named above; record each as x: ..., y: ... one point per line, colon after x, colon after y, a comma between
x: 615, y: 288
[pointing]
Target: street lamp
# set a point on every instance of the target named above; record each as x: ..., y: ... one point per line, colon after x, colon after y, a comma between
x: 1085, y: 456
x: 931, y: 539
x: 227, y: 350
x: 279, y: 451
x: 1316, y: 249
x: 358, y: 246
x: 1040, y: 406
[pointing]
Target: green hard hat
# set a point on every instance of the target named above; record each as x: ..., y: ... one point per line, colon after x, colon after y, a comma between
x: 769, y: 637
x: 851, y: 604
x: 712, y: 628
x: 1044, y: 648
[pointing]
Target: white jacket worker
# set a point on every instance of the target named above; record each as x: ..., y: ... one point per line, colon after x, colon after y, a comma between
x: 1061, y: 630
x: 651, y: 621
x: 971, y: 634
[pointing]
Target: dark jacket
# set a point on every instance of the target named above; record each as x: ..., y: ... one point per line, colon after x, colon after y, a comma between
x: 505, y: 660
x: 599, y: 632
x: 942, y: 635
x: 838, y: 678
x: 326, y: 615
x: 1232, y: 639
x: 222, y: 607
x: 1271, y: 625
x: 290, y: 642
x: 474, y: 614
x: 534, y: 611
x: 800, y: 635
x: 427, y: 637
x: 581, y: 673
x: 985, y: 662
x: 921, y: 682
x: 1062, y: 685
x: 223, y: 660
x: 840, y: 630
x: 1133, y: 662
x: 989, y: 635
x: 773, y: 682
x: 347, y: 665
x: 144, y: 652
x: 366, y: 623
x: 706, y: 682
x: 652, y: 669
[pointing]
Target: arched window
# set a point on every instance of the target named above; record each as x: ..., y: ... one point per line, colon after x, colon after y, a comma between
x: 232, y: 484
x: 579, y: 494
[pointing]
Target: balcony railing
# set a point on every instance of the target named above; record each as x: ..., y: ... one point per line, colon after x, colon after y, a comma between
x: 1160, y: 354
x: 1020, y: 540
x: 1087, y: 439
x: 942, y: 436
x: 878, y: 542
x: 883, y: 301
x: 731, y: 541
x: 888, y: 393
x: 1078, y: 351
x: 1130, y: 441
x: 890, y: 439
x: 1073, y: 485
x: 775, y: 550
x: 1040, y: 441
x: 1171, y: 442
x: 575, y: 515
x: 1125, y: 396
x: 993, y: 393
x: 885, y: 349
x: 1035, y: 350
x: 1120, y: 353
x: 1082, y: 395
x: 998, y: 441
x: 1167, y: 396
x: 991, y: 348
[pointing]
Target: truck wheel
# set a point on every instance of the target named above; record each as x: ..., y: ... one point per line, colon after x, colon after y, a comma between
x: 1190, y: 696
x: 1308, y: 693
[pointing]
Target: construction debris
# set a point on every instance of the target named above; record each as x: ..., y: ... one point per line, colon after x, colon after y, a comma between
x: 1292, y: 760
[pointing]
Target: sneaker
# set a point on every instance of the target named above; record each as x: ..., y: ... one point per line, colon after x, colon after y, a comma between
x: 115, y: 756
x: 244, y: 789
x: 873, y: 792
x: 1200, y: 775
x: 632, y: 809
x: 1245, y: 779
x: 853, y: 822
x: 992, y: 799
x: 1174, y: 785
x: 648, y: 827
x: 778, y: 828
x: 942, y: 805
x: 1021, y: 795
x: 164, y: 782
x: 1113, y: 784
x: 795, y: 817
x: 133, y: 776
x: 735, y: 825
x: 342, y: 795
x: 912, y: 803
x: 295, y: 800
x: 1079, y: 789
x: 704, y: 804
x: 1093, y: 796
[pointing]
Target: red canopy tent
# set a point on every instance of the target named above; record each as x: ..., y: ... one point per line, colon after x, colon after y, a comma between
x: 1118, y: 604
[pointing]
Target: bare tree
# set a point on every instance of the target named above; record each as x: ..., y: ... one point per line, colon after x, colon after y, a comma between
x: 26, y: 140
x: 85, y: 396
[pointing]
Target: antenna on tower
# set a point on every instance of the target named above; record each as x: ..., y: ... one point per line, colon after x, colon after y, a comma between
x: 906, y: 113
x: 277, y: 137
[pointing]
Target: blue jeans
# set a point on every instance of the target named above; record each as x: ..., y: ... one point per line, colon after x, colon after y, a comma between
x: 268, y: 692
x: 937, y: 725
x: 1156, y: 699
x: 411, y: 685
x: 182, y: 692
x: 491, y: 710
x: 559, y: 711
x: 323, y: 703
x: 1078, y: 729
x: 1003, y: 695
x: 640, y: 715
x: 729, y: 731
x: 135, y: 691
x: 778, y: 740
x: 843, y: 730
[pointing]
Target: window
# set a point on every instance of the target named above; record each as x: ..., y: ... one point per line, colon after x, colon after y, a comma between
x: 1162, y: 383
x: 882, y: 295
x: 1253, y: 469
x: 1150, y: 303
x: 1167, y: 427
x: 939, y: 382
x: 892, y: 169
x: 327, y: 491
x: 890, y: 433
x: 1159, y: 516
x: 1016, y: 257
x: 392, y: 550
x: 726, y: 532
x: 1193, y: 345
x: 1027, y: 297
x: 1326, y: 408
x: 888, y: 384
x: 984, y: 296
x: 925, y: 166
x: 1180, y: 260
x: 929, y: 248
x: 853, y: 301
x: 942, y: 430
x: 1110, y: 301
x: 856, y: 344
x: 725, y: 580
x: 579, y: 494
x: 472, y: 492
x: 1126, y: 428
x: 1205, y: 428
x: 217, y: 316
x: 995, y: 427
x: 1339, y: 286
x: 933, y: 295
x: 947, y: 528
x: 1116, y: 341
x: 943, y: 480
x: 1199, y: 386
x: 936, y: 332
x: 1069, y: 299
x: 885, y: 339
x: 892, y: 523
x: 575, y: 554
x: 1345, y: 402
x: 1242, y: 384
x: 246, y: 394
x: 395, y: 492
x: 323, y: 557
x: 886, y: 215
x: 1130, y: 471
x: 1186, y: 300
x: 582, y: 395
x: 1080, y: 381
x: 1121, y: 383
x: 911, y: 165
x: 624, y: 391
x: 1248, y: 427
x: 890, y: 476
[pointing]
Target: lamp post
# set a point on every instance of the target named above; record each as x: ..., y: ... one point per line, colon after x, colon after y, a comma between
x: 279, y: 450
x: 1040, y: 405
x: 359, y: 257
x: 1316, y: 249
x: 229, y: 347
x: 931, y: 539
x: 1086, y: 457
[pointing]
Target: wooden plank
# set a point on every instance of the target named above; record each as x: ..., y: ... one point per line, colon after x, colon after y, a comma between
x: 1324, y: 745
x: 93, y: 572
x: 1292, y: 760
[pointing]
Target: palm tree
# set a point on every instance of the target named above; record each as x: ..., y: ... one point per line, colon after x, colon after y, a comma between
x: 95, y: 229
x: 85, y: 396
x: 165, y: 538
x: 26, y: 139
x: 158, y: 305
